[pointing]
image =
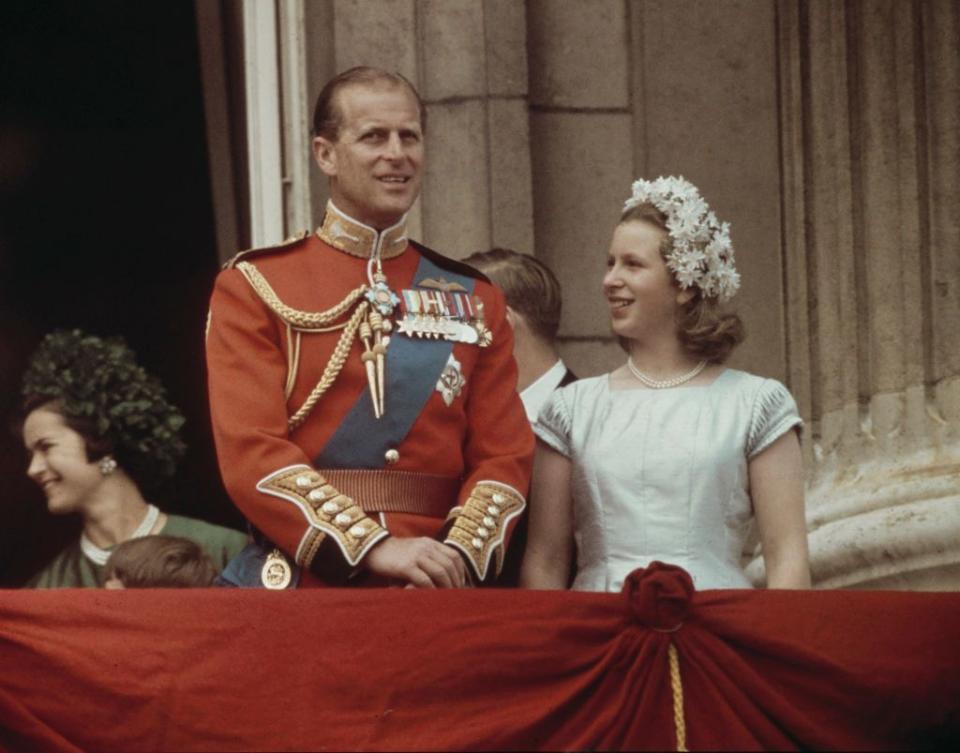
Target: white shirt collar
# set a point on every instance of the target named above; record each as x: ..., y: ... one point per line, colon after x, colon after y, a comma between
x: 537, y: 393
x: 100, y: 556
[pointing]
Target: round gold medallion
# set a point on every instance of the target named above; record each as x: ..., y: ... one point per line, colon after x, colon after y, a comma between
x: 276, y: 573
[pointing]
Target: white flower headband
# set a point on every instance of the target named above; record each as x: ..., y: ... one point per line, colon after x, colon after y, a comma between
x: 700, y: 250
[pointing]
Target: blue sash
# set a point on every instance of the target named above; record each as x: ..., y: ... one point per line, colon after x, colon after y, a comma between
x: 413, y: 366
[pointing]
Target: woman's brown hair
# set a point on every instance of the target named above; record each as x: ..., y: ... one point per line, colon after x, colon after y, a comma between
x: 161, y: 562
x: 706, y: 332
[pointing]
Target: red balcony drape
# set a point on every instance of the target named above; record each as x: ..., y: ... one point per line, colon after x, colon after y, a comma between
x: 478, y: 670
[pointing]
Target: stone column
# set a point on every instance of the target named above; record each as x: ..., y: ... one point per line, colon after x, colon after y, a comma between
x: 582, y: 150
x: 477, y: 189
x: 871, y: 164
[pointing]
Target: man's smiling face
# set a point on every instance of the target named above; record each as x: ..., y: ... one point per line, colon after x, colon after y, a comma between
x: 375, y: 165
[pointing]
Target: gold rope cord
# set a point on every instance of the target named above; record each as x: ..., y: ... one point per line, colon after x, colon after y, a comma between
x: 332, y: 370
x: 677, y: 686
x: 303, y: 320
x: 293, y: 360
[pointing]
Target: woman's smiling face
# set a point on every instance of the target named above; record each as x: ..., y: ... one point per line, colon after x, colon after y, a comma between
x: 638, y: 285
x: 58, y: 461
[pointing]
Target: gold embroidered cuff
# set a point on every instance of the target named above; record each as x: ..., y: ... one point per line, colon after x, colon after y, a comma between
x: 330, y: 514
x: 480, y: 525
x: 309, y: 546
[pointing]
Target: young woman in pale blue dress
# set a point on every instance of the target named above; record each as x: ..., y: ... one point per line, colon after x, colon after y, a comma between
x: 672, y: 456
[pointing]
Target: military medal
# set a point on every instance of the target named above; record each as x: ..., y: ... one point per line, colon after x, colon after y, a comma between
x: 443, y: 314
x: 276, y: 573
x: 381, y: 297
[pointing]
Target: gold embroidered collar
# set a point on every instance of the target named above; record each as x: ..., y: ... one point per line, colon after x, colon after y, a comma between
x: 353, y: 237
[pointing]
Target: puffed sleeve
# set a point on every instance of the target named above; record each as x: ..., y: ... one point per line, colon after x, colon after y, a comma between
x: 553, y: 423
x: 774, y: 414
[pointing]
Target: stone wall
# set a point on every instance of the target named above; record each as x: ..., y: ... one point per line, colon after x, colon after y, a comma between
x: 825, y: 132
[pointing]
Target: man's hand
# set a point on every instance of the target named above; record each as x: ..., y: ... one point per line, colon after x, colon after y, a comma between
x: 421, y: 562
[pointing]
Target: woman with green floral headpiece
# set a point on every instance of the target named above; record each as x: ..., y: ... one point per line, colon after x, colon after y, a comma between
x: 100, y: 434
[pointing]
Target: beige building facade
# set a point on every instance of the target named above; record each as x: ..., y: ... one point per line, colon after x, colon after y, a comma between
x: 827, y: 133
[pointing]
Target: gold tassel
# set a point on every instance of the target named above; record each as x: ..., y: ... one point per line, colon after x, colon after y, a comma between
x: 379, y: 351
x: 677, y: 687
x: 368, y: 359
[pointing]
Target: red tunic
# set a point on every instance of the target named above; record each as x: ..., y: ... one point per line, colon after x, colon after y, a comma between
x: 481, y: 437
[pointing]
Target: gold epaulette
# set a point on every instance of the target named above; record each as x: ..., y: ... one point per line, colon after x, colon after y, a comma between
x: 251, y: 253
x: 480, y: 525
x: 330, y: 514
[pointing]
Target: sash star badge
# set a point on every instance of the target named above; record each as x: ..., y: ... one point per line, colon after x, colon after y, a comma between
x: 451, y: 381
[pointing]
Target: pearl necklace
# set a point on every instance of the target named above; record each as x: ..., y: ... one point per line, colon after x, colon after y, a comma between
x: 100, y: 556
x: 662, y: 384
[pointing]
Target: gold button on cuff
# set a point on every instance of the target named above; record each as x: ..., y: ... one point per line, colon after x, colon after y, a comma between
x: 391, y: 456
x: 332, y: 516
x: 480, y: 527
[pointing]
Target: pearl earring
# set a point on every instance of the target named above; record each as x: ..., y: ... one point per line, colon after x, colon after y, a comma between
x: 107, y: 465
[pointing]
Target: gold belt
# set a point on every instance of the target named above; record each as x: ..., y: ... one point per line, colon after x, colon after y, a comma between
x: 396, y: 491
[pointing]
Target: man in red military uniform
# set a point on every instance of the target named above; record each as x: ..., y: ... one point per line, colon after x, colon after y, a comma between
x: 362, y: 387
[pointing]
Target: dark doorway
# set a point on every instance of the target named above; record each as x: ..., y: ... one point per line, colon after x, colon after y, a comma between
x: 106, y: 224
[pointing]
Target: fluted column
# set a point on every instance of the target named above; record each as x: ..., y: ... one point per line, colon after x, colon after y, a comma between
x: 871, y: 171
x: 940, y: 29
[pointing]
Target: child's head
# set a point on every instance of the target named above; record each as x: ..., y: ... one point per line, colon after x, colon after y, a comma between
x: 159, y: 562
